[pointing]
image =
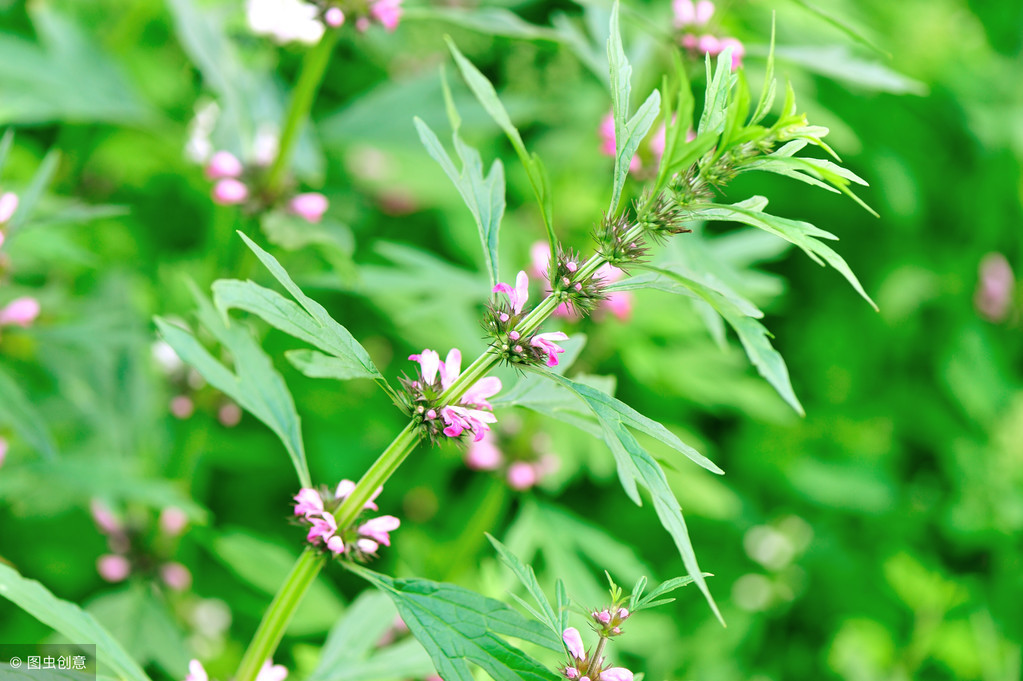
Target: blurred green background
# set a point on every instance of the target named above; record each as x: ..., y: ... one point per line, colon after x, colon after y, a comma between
x: 876, y: 538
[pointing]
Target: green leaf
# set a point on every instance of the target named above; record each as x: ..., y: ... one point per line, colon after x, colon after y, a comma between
x: 144, y: 626
x: 716, y: 98
x: 629, y: 132
x: 802, y: 234
x: 264, y: 566
x: 69, y: 620
x: 255, y: 385
x: 653, y: 598
x: 527, y: 577
x: 17, y: 412
x: 636, y: 466
x: 488, y: 20
x: 30, y: 197
x: 351, y: 653
x: 769, y: 93
x: 487, y: 96
x: 483, y: 195
x: 458, y: 626
x: 841, y: 25
x: 839, y: 63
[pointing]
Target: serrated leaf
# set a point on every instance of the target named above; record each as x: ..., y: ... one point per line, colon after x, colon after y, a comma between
x: 527, y: 577
x: 457, y: 626
x: 487, y: 96
x: 17, y: 412
x: 484, y: 196
x: 69, y: 620
x: 255, y: 385
x: 636, y: 466
x: 802, y: 234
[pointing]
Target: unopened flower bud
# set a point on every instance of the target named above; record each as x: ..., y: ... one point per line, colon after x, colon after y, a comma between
x: 182, y: 407
x: 521, y: 476
x: 173, y: 521
x: 604, y: 617
x: 176, y: 576
x: 310, y: 206
x: 113, y: 568
x: 571, y: 673
x: 623, y: 614
x: 20, y: 312
x: 229, y: 192
x: 514, y: 335
x: 229, y: 415
x: 223, y: 164
x: 571, y: 266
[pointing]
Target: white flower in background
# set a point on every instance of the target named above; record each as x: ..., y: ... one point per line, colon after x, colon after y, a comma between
x: 199, y: 148
x: 285, y: 20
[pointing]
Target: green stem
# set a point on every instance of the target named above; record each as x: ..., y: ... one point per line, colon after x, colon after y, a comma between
x: 277, y: 616
x: 374, y: 478
x: 593, y: 667
x: 314, y: 65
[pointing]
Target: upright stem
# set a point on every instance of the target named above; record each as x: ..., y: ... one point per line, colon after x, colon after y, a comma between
x: 278, y: 615
x: 314, y: 65
x: 594, y: 666
x: 271, y: 629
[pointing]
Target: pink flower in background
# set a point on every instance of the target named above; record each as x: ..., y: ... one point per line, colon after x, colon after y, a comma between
x: 574, y: 643
x: 272, y: 672
x: 20, y: 312
x: 310, y: 206
x: 689, y: 14
x: 113, y: 568
x: 8, y: 206
x: 196, y: 672
x: 3, y: 450
x: 105, y: 520
x: 608, y: 143
x: 334, y: 17
x: 229, y: 415
x: 540, y: 256
x: 176, y: 576
x: 516, y: 296
x: 546, y: 343
x: 738, y: 50
x: 182, y: 407
x: 229, y: 192
x: 483, y: 454
x: 173, y: 520
x: 223, y: 164
x: 387, y: 12
x: 618, y: 303
x: 378, y: 528
x: 995, y: 286
x: 522, y: 475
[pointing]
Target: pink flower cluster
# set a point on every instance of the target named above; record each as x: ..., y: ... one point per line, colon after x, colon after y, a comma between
x: 229, y: 188
x: 268, y: 672
x: 316, y: 509
x: 690, y: 15
x: 386, y: 12
x: 618, y: 303
x: 580, y: 666
x: 996, y: 285
x: 544, y: 344
x: 472, y: 414
x: 127, y: 553
x: 521, y: 474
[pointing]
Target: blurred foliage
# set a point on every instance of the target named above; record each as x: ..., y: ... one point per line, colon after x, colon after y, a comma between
x: 876, y: 538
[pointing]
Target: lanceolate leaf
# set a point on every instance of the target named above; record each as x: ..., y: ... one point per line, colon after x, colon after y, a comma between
x: 255, y: 385
x: 525, y: 574
x: 483, y: 195
x: 487, y: 96
x: 636, y: 467
x: 68, y: 619
x: 17, y: 412
x: 458, y: 626
x: 629, y: 132
x: 802, y: 234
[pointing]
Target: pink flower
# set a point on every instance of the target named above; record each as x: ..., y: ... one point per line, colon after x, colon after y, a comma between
x: 377, y: 528
x: 540, y: 255
x: 460, y: 419
x: 223, y: 164
x: 229, y: 191
x: 229, y: 415
x: 105, y: 520
x: 517, y: 296
x: 346, y: 487
x: 604, y: 616
x: 367, y: 545
x: 113, y: 568
x: 483, y: 389
x: 483, y: 454
x: 173, y: 520
x: 429, y: 364
x: 309, y: 502
x: 323, y: 528
x: 310, y: 206
x: 521, y: 475
x: 738, y: 50
x: 571, y: 673
x: 176, y: 576
x: 545, y: 341
x: 272, y: 672
x: 8, y: 206
x: 334, y: 17
x: 196, y: 672
x: 574, y: 643
x: 3, y: 450
x: 688, y: 14
x: 182, y: 407
x: 616, y: 674
x: 608, y: 144
x: 450, y: 368
x: 20, y: 312
x: 623, y: 614
x: 336, y: 545
x: 993, y: 298
x: 709, y: 44
x: 387, y: 12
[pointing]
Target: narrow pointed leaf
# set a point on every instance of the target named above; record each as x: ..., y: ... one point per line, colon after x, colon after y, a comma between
x: 526, y: 576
